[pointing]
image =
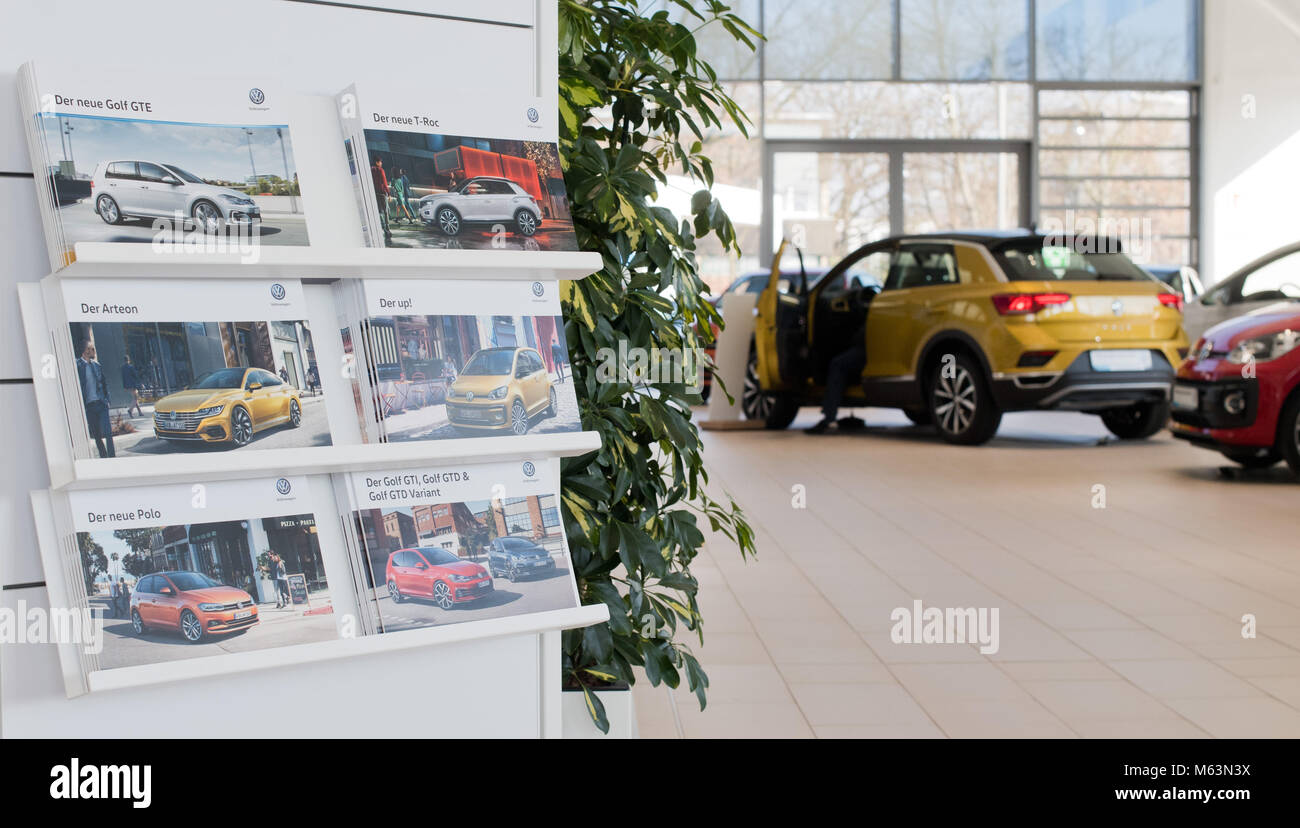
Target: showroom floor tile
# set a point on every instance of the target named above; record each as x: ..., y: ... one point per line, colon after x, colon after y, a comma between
x: 1123, y: 621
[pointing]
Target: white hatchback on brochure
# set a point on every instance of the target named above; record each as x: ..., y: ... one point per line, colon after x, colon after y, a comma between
x: 144, y: 189
x: 482, y: 199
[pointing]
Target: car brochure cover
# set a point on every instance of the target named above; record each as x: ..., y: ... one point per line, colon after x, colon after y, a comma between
x: 159, y: 160
x: 448, y: 359
x: 441, y: 173
x: 181, y: 571
x: 152, y: 367
x: 460, y: 543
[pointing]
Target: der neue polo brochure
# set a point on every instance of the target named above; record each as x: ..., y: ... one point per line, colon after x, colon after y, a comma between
x: 458, y: 543
x: 183, y: 571
x: 152, y: 367
x: 159, y: 159
x: 450, y: 359
x: 437, y: 172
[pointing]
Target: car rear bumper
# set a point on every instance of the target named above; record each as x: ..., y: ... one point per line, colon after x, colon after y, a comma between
x: 1080, y: 388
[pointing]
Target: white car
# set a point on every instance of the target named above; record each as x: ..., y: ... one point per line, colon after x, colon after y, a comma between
x: 144, y: 189
x: 482, y: 199
x: 1271, y: 278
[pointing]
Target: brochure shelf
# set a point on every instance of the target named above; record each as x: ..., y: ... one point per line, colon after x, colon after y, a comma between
x: 133, y: 471
x: 117, y: 261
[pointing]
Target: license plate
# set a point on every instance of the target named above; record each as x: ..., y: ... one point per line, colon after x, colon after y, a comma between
x: 1133, y: 360
x: 1186, y: 398
x: 243, y: 614
x: 540, y: 563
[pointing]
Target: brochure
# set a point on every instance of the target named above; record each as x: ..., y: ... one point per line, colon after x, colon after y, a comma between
x: 160, y: 159
x: 153, y: 367
x: 449, y: 359
x: 188, y: 571
x: 436, y: 173
x: 460, y: 543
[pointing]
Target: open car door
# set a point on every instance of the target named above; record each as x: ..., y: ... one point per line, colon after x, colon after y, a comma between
x: 781, y: 333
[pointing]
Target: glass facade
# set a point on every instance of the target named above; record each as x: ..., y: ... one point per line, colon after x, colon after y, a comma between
x: 1095, y: 99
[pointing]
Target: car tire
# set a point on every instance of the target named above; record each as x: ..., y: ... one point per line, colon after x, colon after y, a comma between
x: 1252, y: 458
x: 207, y: 216
x: 526, y: 223
x: 442, y: 596
x: 241, y: 427
x: 395, y: 593
x: 961, y: 406
x: 550, y: 409
x: 1288, y: 433
x: 137, y: 623
x: 776, y: 412
x: 1136, y: 422
x: 513, y: 574
x: 919, y: 416
x: 108, y: 210
x: 447, y: 220
x: 191, y: 627
x: 518, y: 418
x: 295, y: 413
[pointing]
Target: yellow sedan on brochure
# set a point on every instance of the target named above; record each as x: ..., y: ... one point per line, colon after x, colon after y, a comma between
x: 961, y: 327
x: 227, y: 405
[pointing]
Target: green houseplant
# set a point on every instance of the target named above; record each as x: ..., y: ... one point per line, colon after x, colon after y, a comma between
x: 636, y: 104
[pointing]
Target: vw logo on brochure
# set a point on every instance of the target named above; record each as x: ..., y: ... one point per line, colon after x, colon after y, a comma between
x: 529, y: 468
x: 256, y: 95
x: 533, y: 115
x: 282, y: 486
x: 277, y: 291
x: 1117, y: 308
x: 538, y: 288
x: 469, y: 396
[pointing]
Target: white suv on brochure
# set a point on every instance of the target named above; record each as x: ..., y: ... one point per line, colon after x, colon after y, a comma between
x: 145, y: 189
x: 482, y: 199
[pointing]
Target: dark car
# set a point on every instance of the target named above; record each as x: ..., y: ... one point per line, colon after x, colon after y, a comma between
x: 514, y: 557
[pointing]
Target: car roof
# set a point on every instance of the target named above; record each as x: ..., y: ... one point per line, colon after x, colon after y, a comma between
x: 489, y: 178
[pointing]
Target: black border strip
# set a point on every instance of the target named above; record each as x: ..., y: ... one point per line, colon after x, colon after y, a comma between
x: 17, y: 381
x: 16, y: 175
x: 29, y: 585
x: 360, y: 7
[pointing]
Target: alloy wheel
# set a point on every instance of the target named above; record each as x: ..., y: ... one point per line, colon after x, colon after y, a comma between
x: 527, y: 223
x: 394, y: 592
x: 449, y: 221
x: 442, y: 596
x: 295, y: 413
x: 518, y: 418
x: 955, y: 399
x: 241, y: 427
x: 137, y: 623
x: 191, y: 627
x: 755, y: 404
x: 108, y: 210
x: 207, y: 217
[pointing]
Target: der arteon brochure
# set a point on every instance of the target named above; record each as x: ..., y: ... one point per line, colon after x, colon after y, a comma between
x: 154, y: 159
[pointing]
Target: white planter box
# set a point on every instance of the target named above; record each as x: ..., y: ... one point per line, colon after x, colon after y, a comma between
x: 619, y: 709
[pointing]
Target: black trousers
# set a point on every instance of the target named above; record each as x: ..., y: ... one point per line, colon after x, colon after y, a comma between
x: 101, y: 427
x: 846, y: 367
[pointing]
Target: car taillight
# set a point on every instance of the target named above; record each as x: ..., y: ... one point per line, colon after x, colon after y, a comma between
x: 1172, y: 300
x: 1012, y: 304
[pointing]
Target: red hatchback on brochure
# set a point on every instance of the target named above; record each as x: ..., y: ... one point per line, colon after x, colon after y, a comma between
x: 1239, y: 390
x: 437, y: 574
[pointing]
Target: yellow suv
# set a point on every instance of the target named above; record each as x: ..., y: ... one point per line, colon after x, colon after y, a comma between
x: 501, y: 389
x: 961, y: 327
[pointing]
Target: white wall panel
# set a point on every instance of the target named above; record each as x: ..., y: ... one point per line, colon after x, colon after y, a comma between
x: 24, y: 469
x: 24, y: 260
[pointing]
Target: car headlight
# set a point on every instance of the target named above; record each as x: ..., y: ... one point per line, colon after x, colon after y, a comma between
x: 499, y: 393
x: 465, y: 577
x: 210, y: 607
x: 211, y: 410
x: 451, y: 394
x: 234, y: 199
x: 1264, y: 348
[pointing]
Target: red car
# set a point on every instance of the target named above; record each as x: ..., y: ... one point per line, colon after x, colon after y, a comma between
x: 437, y: 574
x: 191, y: 603
x: 1239, y: 391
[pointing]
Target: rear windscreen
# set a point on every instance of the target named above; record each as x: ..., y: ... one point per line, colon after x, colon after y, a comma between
x: 1044, y: 263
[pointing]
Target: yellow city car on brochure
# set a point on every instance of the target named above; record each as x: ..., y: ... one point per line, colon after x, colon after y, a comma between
x: 227, y: 405
x: 501, y: 389
x: 961, y: 327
